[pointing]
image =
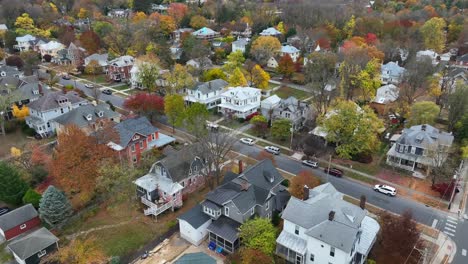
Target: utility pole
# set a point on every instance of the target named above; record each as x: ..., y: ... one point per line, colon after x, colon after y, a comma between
x: 329, y: 164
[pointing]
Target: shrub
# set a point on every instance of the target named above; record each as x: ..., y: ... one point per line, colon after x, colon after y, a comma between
x: 69, y: 87
x: 47, y: 58
x: 362, y: 158
x: 171, y: 224
x: 285, y: 183
x: 26, y: 129
x: 276, y: 219
x: 32, y: 197
x: 38, y: 174
x: 80, y: 93
x: 298, y: 78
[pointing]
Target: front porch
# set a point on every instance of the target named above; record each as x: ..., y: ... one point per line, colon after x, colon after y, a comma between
x: 418, y: 169
x: 291, y: 248
x: 224, y: 233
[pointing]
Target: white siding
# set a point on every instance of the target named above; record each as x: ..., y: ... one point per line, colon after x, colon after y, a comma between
x: 192, y: 235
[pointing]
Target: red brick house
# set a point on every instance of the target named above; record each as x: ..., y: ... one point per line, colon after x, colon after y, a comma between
x: 19, y: 221
x: 135, y: 136
x: 169, y: 179
x: 462, y: 61
x: 119, y: 68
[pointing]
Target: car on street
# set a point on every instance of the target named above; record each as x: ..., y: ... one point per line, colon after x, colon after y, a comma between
x: 247, y: 141
x: 333, y: 171
x: 273, y: 150
x: 89, y: 85
x: 310, y: 163
x: 107, y: 91
x: 66, y: 77
x: 385, y: 189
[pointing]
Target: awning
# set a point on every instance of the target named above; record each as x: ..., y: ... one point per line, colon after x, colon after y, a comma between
x: 292, y: 242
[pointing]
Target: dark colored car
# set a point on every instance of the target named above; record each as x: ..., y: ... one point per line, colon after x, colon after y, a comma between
x: 4, y: 210
x: 107, y: 91
x: 66, y: 77
x: 334, y: 171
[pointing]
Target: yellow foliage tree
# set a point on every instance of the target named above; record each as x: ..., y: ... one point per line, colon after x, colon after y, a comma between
x: 83, y: 13
x: 79, y: 251
x: 280, y: 27
x: 348, y: 29
x: 25, y: 25
x: 20, y: 113
x: 260, y: 77
x: 15, y: 152
x: 237, y: 78
x: 138, y: 17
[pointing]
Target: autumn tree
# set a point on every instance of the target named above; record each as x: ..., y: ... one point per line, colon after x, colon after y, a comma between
x: 237, y: 78
x: 368, y: 79
x: 67, y: 166
x: 281, y: 129
x: 12, y: 186
x: 80, y: 251
x: 260, y: 125
x: 82, y: 13
x: 424, y: 112
x: 213, y: 74
x: 196, y: 115
x: 264, y: 155
x: 433, y: 33
x: 54, y: 207
x: 90, y: 41
x: 177, y: 11
x: 138, y: 17
x: 259, y: 77
x: 286, y: 66
x: 31, y: 59
x: 178, y: 79
x: 265, y: 47
x: 147, y: 75
x: 259, y: 234
x: 20, y: 112
x: 255, y: 256
x: 457, y: 104
x: 234, y: 60
x: 174, y: 110
x: 198, y: 22
x: 352, y: 129
x: 24, y: 24
x: 149, y: 105
x: 10, y: 95
x: 302, y: 179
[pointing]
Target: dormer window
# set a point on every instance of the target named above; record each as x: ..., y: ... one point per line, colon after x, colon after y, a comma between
x: 89, y: 117
x: 100, y: 113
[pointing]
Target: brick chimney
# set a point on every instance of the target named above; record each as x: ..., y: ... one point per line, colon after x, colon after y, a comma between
x: 331, y: 215
x: 362, y: 202
x: 241, y: 166
x: 305, y: 194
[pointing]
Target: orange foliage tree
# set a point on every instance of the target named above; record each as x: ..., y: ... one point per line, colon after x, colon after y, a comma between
x: 76, y: 163
x: 266, y: 155
x: 177, y: 11
x: 80, y: 251
x: 303, y: 178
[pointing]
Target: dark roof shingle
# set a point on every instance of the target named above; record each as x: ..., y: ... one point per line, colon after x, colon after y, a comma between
x: 17, y: 216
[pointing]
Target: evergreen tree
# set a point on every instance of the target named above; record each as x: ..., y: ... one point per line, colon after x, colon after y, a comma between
x: 54, y: 206
x: 12, y: 187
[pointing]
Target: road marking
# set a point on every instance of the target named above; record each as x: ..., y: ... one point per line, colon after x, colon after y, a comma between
x: 453, y: 226
x: 451, y: 217
x: 434, y: 223
x: 451, y: 221
x: 450, y: 229
x: 463, y: 252
x: 448, y: 233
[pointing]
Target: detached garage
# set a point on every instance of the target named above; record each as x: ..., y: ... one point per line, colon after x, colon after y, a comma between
x: 193, y: 225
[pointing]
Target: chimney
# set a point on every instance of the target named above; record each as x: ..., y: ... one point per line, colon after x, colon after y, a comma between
x: 305, y: 194
x: 331, y: 215
x: 423, y: 127
x: 362, y: 203
x: 241, y: 166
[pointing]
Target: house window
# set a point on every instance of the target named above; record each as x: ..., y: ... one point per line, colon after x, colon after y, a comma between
x: 312, y: 257
x: 41, y: 253
x: 332, y: 251
x: 133, y: 148
x: 61, y: 110
x: 23, y: 226
x: 134, y: 159
x: 152, y: 136
x: 296, y: 231
x: 226, y: 211
x: 48, y: 124
x: 141, y: 144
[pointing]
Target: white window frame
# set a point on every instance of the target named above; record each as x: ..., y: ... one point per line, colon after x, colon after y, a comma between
x: 332, y: 252
x: 141, y: 145
x: 296, y: 230
x: 252, y: 211
x: 267, y: 206
x: 41, y: 253
x: 133, y: 148
x: 23, y: 226
x: 226, y: 211
x: 312, y: 257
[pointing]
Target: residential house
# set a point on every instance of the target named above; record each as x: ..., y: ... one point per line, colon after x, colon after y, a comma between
x: 419, y: 148
x: 200, y: 63
x: 257, y: 191
x: 207, y: 93
x: 159, y: 8
x: 89, y: 118
x: 427, y: 53
x: 292, y: 51
x: 205, y: 33
x: 24, y: 42
x: 19, y: 221
x: 268, y: 105
x: 135, y: 79
x: 135, y: 136
x: 294, y: 110
x: 10, y: 71
x: 323, y: 228
x: 455, y: 74
x: 51, y: 48
x: 271, y: 31
x: 30, y: 89
x: 32, y: 248
x: 384, y: 97
x: 50, y: 106
x: 76, y: 54
x: 101, y: 59
x: 240, y: 44
x: 462, y: 61
x: 3, y: 27
x: 391, y: 72
x: 272, y: 63
x: 119, y: 13
x: 119, y: 68
x: 170, y: 179
x: 240, y: 101
x: 177, y: 34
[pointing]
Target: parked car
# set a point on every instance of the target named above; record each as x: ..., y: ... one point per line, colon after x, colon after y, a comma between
x: 334, y: 171
x: 385, y: 189
x: 247, y: 141
x: 66, y: 77
x: 89, y: 85
x: 310, y: 163
x: 4, y: 210
x: 107, y: 91
x: 273, y: 150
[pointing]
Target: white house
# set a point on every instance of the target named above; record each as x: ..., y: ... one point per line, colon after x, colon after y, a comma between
x: 427, y: 53
x: 386, y: 94
x: 101, y: 59
x: 292, y: 51
x: 272, y: 63
x: 323, y: 229
x: 24, y: 42
x: 391, y: 72
x: 240, y: 101
x: 205, y: 33
x: 269, y: 104
x: 50, y: 106
x: 200, y: 63
x: 240, y: 44
x: 193, y: 225
x: 51, y: 48
x: 271, y: 31
x: 208, y: 93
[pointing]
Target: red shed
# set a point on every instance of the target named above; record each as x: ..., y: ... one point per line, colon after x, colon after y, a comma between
x: 19, y: 221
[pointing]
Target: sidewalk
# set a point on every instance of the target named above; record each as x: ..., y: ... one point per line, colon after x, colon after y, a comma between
x: 446, y: 251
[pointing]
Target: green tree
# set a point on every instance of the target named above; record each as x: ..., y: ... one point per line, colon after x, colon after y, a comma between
x: 213, y: 74
x: 424, y: 112
x: 369, y: 79
x: 348, y: 29
x: 12, y: 186
x: 9, y: 96
x: 148, y: 74
x: 54, y: 207
x: 281, y: 129
x: 198, y: 22
x: 352, y: 129
x: 260, y: 78
x: 174, y: 110
x: 178, y: 79
x: 32, y: 197
x: 286, y: 66
x: 260, y: 124
x: 237, y: 78
x: 259, y: 234
x: 102, y: 28
x: 234, y: 60
x: 195, y: 118
x: 31, y: 60
x: 457, y: 104
x: 433, y: 33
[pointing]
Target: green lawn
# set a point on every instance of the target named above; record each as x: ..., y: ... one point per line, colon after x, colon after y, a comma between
x: 100, y: 78
x: 5, y: 256
x: 234, y: 124
x: 121, y: 87
x: 285, y: 91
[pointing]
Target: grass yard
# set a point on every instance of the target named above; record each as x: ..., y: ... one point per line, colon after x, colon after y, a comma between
x: 234, y: 124
x: 100, y: 78
x: 5, y: 255
x: 121, y: 87
x: 285, y: 91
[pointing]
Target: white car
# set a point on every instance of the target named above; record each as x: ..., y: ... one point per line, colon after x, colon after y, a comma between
x: 272, y: 150
x: 247, y: 141
x: 89, y: 85
x: 310, y: 163
x: 385, y: 189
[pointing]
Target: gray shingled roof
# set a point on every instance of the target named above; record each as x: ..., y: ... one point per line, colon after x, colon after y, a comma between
x: 50, y: 101
x: 178, y: 164
x: 17, y: 216
x: 226, y: 228
x: 263, y: 175
x: 195, y: 216
x: 335, y: 234
x: 211, y: 205
x: 32, y: 243
x: 195, y: 258
x: 129, y: 127
x: 79, y: 116
x: 211, y: 86
x: 224, y: 193
x: 229, y: 176
x: 416, y: 136
x: 9, y: 70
